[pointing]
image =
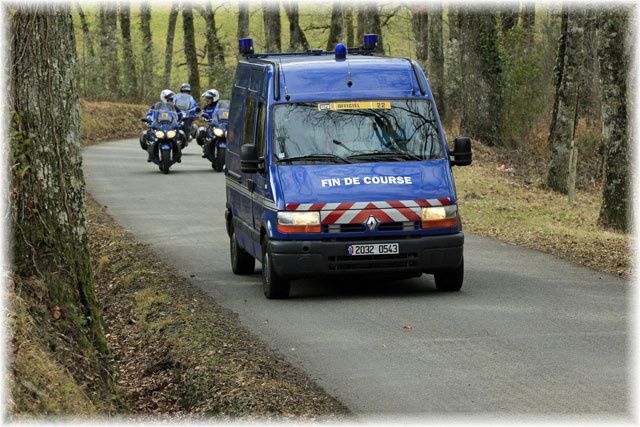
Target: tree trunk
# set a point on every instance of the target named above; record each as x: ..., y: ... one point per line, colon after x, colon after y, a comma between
x: 614, y: 60
x: 453, y: 66
x: 508, y: 18
x: 129, y: 62
x: 567, y: 82
x: 528, y: 17
x: 336, y: 30
x: 420, y: 25
x: 271, y: 20
x: 435, y: 62
x: 168, y: 51
x: 190, y: 48
x: 47, y: 190
x: 109, y: 64
x: 297, y: 39
x: 87, y: 39
x: 215, y: 50
x: 348, y: 22
x: 481, y: 78
x: 147, y: 79
x: 373, y: 25
x: 243, y: 20
x: 361, y: 18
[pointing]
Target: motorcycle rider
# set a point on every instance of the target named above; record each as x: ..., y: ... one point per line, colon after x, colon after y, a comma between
x: 166, y: 103
x: 211, y: 98
x: 185, y: 103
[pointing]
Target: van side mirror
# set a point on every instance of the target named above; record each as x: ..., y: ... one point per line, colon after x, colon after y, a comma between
x: 461, y: 151
x: 249, y: 158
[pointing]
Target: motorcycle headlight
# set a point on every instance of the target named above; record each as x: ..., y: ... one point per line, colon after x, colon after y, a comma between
x: 218, y: 132
x: 159, y: 134
x: 171, y: 134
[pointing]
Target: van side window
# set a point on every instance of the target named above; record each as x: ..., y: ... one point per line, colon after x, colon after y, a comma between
x: 249, y: 121
x: 260, y: 130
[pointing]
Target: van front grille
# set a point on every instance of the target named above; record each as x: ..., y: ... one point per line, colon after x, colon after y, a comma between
x: 373, y: 262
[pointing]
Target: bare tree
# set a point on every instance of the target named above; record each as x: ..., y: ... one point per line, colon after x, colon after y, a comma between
x: 147, y: 50
x: 271, y: 20
x: 481, y: 77
x: 109, y: 63
x: 190, y: 48
x: 297, y: 39
x: 435, y: 62
x: 336, y: 31
x: 168, y: 50
x: 565, y: 108
x: 129, y: 62
x: 419, y: 23
x: 614, y: 60
x: 348, y: 22
x: 243, y: 20
x: 215, y: 50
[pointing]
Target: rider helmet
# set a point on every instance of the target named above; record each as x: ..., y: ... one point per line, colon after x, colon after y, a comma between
x: 211, y: 94
x: 185, y: 87
x: 166, y: 95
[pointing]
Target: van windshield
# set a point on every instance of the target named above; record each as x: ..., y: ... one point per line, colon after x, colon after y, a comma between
x: 356, y: 131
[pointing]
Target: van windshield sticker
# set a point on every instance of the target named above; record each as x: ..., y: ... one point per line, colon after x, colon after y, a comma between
x: 357, y: 105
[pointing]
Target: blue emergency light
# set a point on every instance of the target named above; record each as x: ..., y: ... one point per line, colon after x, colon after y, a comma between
x: 341, y: 51
x: 245, y: 46
x: 370, y: 41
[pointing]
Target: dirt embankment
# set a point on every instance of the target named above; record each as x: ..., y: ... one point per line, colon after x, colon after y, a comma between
x: 101, y: 121
x: 177, y: 352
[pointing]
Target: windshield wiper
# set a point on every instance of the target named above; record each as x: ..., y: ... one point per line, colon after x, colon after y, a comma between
x: 401, y: 155
x: 318, y: 156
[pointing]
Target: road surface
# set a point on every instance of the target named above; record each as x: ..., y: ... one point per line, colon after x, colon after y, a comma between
x: 528, y: 333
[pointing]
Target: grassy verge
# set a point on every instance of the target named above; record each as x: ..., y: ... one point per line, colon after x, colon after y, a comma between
x: 516, y: 209
x: 102, y: 121
x: 177, y: 352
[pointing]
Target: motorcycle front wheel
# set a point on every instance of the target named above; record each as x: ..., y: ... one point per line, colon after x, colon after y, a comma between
x: 165, y: 161
x: 218, y: 162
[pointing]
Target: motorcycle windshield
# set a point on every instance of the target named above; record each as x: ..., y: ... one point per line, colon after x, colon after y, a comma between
x: 166, y: 117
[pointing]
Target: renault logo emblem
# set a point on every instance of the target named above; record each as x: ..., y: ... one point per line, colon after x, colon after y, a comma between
x: 372, y: 222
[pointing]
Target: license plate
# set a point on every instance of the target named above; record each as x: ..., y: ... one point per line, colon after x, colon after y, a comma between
x: 373, y: 249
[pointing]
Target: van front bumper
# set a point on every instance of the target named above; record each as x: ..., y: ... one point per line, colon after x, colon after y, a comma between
x: 424, y: 254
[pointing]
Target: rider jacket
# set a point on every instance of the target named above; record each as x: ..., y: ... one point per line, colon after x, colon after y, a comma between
x: 210, y: 108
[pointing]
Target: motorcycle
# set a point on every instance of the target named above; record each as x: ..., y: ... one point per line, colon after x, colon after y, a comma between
x: 213, y: 138
x: 167, y: 139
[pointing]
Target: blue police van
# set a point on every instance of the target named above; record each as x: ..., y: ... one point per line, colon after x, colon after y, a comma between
x: 337, y: 164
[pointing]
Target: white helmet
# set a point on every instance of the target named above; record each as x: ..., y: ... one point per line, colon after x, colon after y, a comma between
x: 166, y: 94
x: 211, y: 93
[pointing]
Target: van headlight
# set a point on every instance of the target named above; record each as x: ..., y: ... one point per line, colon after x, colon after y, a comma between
x: 159, y: 134
x: 299, y: 222
x: 171, y: 134
x: 439, y: 216
x: 218, y: 132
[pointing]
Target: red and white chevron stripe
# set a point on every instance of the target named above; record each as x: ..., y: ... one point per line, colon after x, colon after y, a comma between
x: 359, y: 212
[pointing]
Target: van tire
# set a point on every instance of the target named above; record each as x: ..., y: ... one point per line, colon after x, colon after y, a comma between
x: 274, y: 287
x: 450, y: 280
x: 242, y: 263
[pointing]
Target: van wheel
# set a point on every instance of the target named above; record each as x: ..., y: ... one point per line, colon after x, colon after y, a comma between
x: 450, y: 280
x: 274, y: 287
x: 242, y: 262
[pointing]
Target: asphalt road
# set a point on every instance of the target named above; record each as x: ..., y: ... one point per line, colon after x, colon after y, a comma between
x: 528, y: 333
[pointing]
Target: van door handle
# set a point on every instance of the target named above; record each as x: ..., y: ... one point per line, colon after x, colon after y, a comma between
x: 251, y: 185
